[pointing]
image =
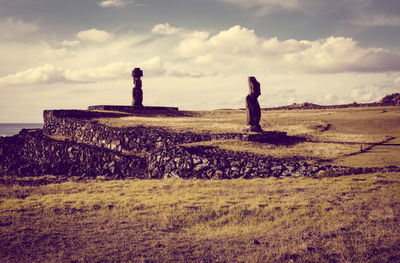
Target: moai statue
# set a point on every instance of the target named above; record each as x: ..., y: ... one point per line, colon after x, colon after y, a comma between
x: 137, y: 92
x: 253, y: 107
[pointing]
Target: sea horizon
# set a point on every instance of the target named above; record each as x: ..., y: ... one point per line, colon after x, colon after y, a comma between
x: 13, y: 128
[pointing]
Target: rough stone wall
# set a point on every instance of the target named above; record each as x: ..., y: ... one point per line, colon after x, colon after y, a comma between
x: 30, y: 153
x: 33, y: 154
x: 74, y: 144
x: 138, y: 139
x: 166, y: 157
x: 205, y: 162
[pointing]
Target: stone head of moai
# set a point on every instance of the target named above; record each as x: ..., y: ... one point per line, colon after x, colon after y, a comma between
x: 137, y: 92
x: 254, y: 87
x: 137, y: 73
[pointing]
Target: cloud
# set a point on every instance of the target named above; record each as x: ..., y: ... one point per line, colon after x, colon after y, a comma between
x: 242, y: 47
x: 111, y: 71
x: 363, y: 95
x: 227, y: 42
x: 327, y: 99
x: 43, y: 74
x: 70, y: 43
x: 20, y: 55
x: 340, y: 54
x: 166, y: 29
x: 12, y: 27
x: 396, y: 82
x: 153, y: 67
x: 94, y: 35
x: 49, y: 74
x: 115, y: 3
x: 186, y: 73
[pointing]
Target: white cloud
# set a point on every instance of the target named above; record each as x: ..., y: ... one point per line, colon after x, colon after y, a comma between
x: 363, y: 95
x: 153, y: 67
x: 12, y: 27
x: 242, y: 47
x: 43, y: 74
x: 234, y: 41
x: 48, y: 74
x: 70, y: 43
x: 339, y: 54
x: 115, y: 3
x: 166, y: 29
x: 327, y: 99
x: 185, y: 73
x: 111, y: 71
x: 274, y: 46
x: 20, y: 55
x: 94, y: 35
x: 396, y: 82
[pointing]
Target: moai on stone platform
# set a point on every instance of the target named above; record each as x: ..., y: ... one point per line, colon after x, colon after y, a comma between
x: 253, y: 107
x: 137, y: 92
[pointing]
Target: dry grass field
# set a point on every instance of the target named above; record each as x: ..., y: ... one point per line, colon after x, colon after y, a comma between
x: 343, y: 219
x: 352, y: 218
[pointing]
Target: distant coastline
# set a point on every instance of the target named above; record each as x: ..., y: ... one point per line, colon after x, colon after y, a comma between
x: 10, y: 129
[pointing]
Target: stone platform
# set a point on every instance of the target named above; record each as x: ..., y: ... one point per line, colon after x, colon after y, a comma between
x: 135, y: 109
x: 272, y: 137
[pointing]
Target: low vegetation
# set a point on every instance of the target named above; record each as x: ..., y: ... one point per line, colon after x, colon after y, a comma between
x: 394, y: 97
x: 343, y: 219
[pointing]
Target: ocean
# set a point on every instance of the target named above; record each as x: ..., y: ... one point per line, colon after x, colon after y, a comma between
x: 10, y: 129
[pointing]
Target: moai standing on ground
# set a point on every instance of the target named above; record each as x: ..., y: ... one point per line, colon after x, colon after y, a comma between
x: 137, y: 92
x: 253, y: 107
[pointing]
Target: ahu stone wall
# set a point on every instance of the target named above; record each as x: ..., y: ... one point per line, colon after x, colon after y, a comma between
x: 73, y: 143
x: 207, y: 162
x: 83, y: 129
x: 31, y: 153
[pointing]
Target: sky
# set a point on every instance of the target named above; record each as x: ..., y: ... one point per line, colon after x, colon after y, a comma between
x: 195, y: 55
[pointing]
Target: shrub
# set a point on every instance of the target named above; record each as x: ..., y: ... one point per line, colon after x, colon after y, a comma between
x: 394, y: 97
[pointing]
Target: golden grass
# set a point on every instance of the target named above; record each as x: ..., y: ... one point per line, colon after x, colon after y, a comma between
x: 345, y: 219
x: 219, y: 121
x: 309, y: 150
x: 336, y: 133
x: 371, y: 121
x: 378, y: 156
